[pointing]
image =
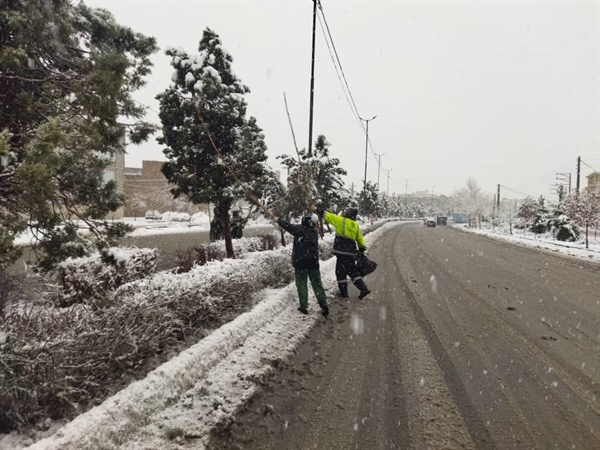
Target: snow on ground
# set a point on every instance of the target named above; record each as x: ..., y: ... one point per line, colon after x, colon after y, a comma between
x: 143, y: 227
x: 544, y: 242
x: 204, y: 385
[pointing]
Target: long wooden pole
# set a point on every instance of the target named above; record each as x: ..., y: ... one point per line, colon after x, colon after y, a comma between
x: 302, y: 171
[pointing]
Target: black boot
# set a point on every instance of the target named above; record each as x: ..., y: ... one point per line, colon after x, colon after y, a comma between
x: 362, y: 287
x: 325, y: 311
x: 343, y: 290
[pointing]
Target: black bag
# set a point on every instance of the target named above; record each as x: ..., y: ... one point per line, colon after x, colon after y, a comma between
x: 364, y: 265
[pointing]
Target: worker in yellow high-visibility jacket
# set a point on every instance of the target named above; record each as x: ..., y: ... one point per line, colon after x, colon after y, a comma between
x: 348, y: 240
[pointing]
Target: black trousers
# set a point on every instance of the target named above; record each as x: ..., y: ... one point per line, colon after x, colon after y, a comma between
x: 345, y: 267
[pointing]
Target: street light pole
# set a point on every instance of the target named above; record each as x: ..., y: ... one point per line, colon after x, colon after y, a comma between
x: 312, y: 81
x: 387, y: 191
x: 378, y: 167
x: 366, y: 146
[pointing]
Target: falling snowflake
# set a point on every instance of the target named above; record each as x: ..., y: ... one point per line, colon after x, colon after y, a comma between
x: 357, y: 324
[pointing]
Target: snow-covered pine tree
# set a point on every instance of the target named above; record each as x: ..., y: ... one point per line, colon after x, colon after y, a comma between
x: 207, y: 80
x: 369, y: 203
x: 540, y: 219
x: 561, y: 225
x: 67, y: 72
x: 527, y: 210
x: 324, y: 179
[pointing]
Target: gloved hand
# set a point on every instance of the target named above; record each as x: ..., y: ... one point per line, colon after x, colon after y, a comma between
x: 363, y: 250
x: 320, y: 210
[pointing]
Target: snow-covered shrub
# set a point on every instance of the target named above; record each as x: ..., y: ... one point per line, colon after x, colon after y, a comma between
x: 201, y: 254
x: 84, y: 280
x: 6, y: 290
x: 563, y: 229
x: 11, y: 292
x: 56, y: 362
x: 198, y: 256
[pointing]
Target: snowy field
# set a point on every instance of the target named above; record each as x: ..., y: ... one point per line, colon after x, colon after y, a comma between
x: 169, y: 224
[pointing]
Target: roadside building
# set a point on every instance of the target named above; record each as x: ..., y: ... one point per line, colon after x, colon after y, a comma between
x: 593, y: 182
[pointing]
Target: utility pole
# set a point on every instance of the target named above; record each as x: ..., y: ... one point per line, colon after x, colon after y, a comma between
x: 387, y: 191
x: 565, y: 177
x: 561, y: 178
x: 312, y: 80
x: 578, y: 175
x: 366, y: 146
x: 498, y: 199
x: 379, y: 167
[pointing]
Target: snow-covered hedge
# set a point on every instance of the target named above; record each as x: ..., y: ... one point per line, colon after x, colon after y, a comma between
x: 83, y: 280
x: 54, y: 363
x: 202, y: 254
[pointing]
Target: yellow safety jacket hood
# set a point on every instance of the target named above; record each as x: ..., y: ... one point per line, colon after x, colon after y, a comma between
x: 347, y: 234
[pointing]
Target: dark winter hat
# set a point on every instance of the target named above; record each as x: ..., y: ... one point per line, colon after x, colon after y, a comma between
x: 310, y: 220
x: 351, y: 213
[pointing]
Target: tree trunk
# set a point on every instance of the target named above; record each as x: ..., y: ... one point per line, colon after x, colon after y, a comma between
x: 227, y: 232
x: 586, y: 236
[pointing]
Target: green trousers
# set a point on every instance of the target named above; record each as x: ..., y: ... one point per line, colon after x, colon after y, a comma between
x: 302, y: 275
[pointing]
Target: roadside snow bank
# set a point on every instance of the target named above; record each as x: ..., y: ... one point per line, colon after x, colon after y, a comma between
x: 574, y: 249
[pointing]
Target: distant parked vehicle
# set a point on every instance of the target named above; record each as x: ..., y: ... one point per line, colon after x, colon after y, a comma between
x: 180, y: 217
x: 153, y: 215
x: 442, y: 220
x: 430, y: 222
x: 460, y: 218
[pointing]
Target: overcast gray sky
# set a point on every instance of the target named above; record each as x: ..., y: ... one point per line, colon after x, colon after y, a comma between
x: 506, y: 92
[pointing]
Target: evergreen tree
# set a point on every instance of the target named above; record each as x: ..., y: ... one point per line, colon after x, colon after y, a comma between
x: 417, y: 209
x: 540, y: 218
x: 527, y: 210
x: 561, y: 225
x: 368, y: 201
x: 323, y: 180
x: 205, y: 81
x: 67, y: 73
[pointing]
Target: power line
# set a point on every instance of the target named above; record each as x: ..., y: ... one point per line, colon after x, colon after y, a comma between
x: 516, y: 192
x: 345, y: 85
x: 354, y: 113
x: 595, y: 170
x: 338, y: 59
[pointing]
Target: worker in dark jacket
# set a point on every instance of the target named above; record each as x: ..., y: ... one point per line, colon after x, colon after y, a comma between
x: 305, y: 260
x: 348, y: 240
